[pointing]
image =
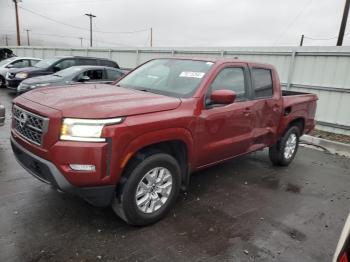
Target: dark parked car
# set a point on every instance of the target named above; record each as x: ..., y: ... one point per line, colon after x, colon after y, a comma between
x: 52, y: 65
x: 73, y: 75
x: 2, y: 115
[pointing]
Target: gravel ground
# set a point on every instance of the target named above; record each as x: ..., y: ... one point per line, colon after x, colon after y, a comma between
x: 331, y: 136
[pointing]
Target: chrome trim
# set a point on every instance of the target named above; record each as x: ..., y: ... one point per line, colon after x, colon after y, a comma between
x: 43, y: 131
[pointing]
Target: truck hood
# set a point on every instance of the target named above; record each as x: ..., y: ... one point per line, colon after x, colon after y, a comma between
x: 100, y: 101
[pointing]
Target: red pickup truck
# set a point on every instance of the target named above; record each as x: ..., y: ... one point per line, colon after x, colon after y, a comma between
x: 134, y: 144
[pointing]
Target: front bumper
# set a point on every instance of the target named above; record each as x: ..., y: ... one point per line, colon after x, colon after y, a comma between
x: 13, y: 83
x: 47, y: 172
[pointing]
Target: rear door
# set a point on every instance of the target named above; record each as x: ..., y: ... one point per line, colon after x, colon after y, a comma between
x: 225, y: 131
x: 266, y: 107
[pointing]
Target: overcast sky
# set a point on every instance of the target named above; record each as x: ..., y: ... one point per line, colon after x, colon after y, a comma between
x: 187, y: 23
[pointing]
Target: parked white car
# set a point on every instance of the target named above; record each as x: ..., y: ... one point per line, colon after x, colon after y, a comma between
x: 15, y: 62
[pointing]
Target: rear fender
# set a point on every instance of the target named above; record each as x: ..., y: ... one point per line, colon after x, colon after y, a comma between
x: 286, y: 120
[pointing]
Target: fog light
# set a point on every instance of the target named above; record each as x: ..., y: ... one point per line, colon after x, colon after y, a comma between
x: 78, y: 167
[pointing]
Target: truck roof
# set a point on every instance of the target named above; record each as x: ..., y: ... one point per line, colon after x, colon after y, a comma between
x: 221, y: 60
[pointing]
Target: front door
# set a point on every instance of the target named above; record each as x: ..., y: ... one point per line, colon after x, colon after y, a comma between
x: 224, y: 131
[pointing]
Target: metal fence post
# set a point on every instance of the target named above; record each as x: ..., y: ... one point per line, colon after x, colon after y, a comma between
x: 291, y: 69
x: 137, y: 57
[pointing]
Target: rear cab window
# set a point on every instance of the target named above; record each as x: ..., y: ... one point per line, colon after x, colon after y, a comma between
x: 262, y: 83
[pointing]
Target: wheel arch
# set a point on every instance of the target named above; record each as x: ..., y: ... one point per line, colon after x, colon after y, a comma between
x: 176, y: 142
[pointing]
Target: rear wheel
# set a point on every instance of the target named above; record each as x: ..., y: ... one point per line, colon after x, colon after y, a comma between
x: 149, y: 191
x: 283, y: 153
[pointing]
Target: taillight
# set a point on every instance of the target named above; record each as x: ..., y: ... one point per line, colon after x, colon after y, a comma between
x: 343, y: 258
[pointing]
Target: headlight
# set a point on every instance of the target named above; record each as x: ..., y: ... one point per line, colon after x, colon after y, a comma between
x: 86, y: 130
x: 39, y: 85
x: 21, y: 75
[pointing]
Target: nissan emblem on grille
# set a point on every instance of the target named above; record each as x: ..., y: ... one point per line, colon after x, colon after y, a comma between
x: 29, y: 126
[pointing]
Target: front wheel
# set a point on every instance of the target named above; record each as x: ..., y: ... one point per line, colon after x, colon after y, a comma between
x: 283, y: 153
x: 149, y: 191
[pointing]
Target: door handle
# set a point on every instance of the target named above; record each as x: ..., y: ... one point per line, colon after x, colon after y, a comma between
x: 247, y: 112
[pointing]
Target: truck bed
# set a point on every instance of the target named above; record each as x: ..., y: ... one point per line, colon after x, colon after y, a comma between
x: 292, y: 98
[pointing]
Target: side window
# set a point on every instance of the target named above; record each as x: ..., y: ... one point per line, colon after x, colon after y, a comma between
x: 262, y: 80
x: 113, y: 74
x: 65, y: 64
x: 20, y: 63
x: 95, y: 74
x: 231, y: 78
x: 33, y: 62
x: 86, y: 61
x: 108, y: 63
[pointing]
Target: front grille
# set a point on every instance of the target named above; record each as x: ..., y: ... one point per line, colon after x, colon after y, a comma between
x: 29, y: 125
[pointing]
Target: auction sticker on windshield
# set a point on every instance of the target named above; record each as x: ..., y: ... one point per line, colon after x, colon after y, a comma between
x: 192, y: 74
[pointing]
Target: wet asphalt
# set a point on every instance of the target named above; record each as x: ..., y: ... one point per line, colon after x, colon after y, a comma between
x: 242, y: 210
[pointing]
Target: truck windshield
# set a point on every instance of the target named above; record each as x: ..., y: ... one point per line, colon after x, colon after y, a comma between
x: 172, y: 77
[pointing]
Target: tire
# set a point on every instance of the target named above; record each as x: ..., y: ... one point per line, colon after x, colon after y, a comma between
x: 2, y: 81
x: 138, y: 179
x: 280, y: 154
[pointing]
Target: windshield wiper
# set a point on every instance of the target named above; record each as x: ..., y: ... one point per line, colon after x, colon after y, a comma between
x: 57, y: 75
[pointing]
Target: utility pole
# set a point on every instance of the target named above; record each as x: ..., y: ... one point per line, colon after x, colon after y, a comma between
x: 28, y: 42
x: 151, y: 39
x: 81, y: 41
x: 90, y: 16
x: 302, y: 40
x: 17, y: 23
x: 6, y: 40
x: 343, y: 23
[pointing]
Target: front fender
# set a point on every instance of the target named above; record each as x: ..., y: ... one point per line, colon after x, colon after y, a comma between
x: 156, y: 137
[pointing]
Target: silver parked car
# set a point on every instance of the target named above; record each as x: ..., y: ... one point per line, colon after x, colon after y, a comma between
x: 2, y: 115
x: 15, y: 62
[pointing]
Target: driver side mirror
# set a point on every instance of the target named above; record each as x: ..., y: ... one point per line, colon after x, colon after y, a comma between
x: 222, y: 97
x: 9, y: 66
x: 84, y: 79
